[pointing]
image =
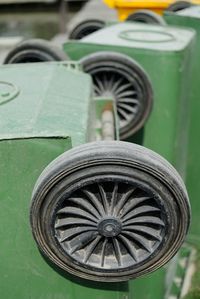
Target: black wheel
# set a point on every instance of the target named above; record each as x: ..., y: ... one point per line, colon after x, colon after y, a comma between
x: 146, y: 16
x: 120, y: 77
x: 35, y: 50
x: 109, y: 211
x: 85, y: 28
x: 178, y: 5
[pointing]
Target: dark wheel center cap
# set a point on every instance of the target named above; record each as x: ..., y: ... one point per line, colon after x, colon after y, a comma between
x: 109, y: 227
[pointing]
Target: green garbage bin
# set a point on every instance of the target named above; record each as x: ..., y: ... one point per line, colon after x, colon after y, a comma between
x: 164, y: 54
x: 44, y: 112
x: 101, y: 211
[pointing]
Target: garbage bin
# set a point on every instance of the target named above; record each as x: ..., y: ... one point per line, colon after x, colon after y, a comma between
x: 101, y: 210
x: 164, y: 54
x: 126, y: 7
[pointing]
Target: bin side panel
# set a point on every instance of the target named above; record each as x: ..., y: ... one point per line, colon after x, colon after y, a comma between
x: 193, y: 161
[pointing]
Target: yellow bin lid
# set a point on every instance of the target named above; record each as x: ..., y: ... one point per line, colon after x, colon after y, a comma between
x: 162, y: 4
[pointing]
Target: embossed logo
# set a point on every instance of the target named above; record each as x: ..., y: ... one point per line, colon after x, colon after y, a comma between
x: 146, y: 36
x: 8, y: 91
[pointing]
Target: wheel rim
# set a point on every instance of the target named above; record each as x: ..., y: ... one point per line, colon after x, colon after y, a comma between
x: 86, y: 28
x: 87, y: 31
x: 126, y: 94
x: 31, y: 56
x: 147, y: 17
x: 179, y: 5
x: 109, y: 221
x: 144, y: 19
x: 122, y: 79
x: 100, y: 228
x: 33, y: 51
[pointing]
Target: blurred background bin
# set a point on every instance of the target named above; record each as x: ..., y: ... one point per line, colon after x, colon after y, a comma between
x: 126, y: 7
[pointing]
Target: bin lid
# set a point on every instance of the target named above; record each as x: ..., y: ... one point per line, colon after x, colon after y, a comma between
x: 137, y: 35
x: 140, y: 4
x: 43, y: 100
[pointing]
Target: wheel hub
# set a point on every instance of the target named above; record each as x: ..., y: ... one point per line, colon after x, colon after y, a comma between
x: 109, y: 227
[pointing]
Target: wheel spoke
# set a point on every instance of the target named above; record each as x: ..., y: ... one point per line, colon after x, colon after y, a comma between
x: 117, y: 250
x: 123, y: 114
x: 77, y: 212
x: 128, y: 101
x: 67, y: 234
x: 122, y: 88
x: 92, y: 197
x: 113, y: 198
x: 129, y: 246
x: 97, y: 90
x: 140, y: 211
x: 103, y: 252
x: 132, y: 203
x: 110, y: 84
x: 116, y: 85
x: 91, y: 248
x: 100, y: 85
x: 87, y: 206
x: 123, y: 200
x: 105, y: 82
x: 139, y: 239
x: 73, y: 221
x: 81, y: 241
x: 104, y: 198
x: 126, y: 107
x: 127, y: 93
x: 145, y: 230
x: 144, y: 220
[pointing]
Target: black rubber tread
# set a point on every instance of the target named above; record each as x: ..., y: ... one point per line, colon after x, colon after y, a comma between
x: 35, y: 50
x: 146, y: 16
x: 179, y: 5
x: 135, y: 74
x: 114, y: 155
x: 85, y: 28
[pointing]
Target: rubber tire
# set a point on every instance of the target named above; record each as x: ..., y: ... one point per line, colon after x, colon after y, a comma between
x: 86, y: 28
x: 147, y: 17
x: 108, y: 154
x: 35, y: 49
x: 179, y: 5
x: 131, y: 68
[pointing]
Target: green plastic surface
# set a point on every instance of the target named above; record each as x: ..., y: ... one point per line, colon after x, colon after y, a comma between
x: 47, y: 95
x: 141, y: 36
x: 191, y: 17
x: 44, y: 111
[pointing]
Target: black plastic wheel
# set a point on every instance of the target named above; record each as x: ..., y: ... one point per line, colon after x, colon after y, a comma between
x: 85, y: 28
x: 178, y: 5
x: 35, y: 50
x: 109, y: 211
x: 116, y: 75
x: 146, y: 16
